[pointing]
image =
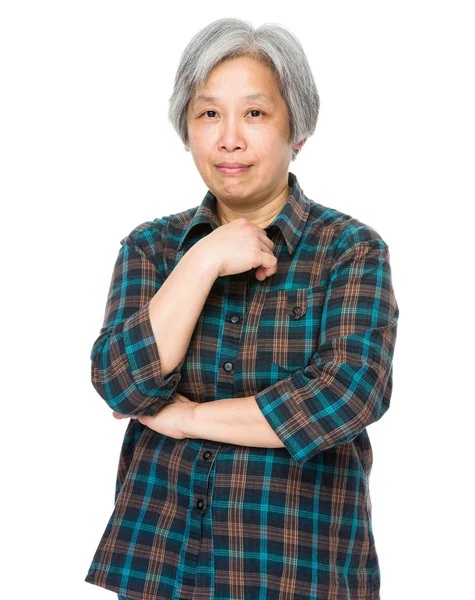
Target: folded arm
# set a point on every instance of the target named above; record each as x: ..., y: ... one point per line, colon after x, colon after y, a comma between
x: 136, y: 360
x: 347, y: 384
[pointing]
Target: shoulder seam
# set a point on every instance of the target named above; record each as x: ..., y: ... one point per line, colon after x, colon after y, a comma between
x: 139, y: 250
x: 378, y: 243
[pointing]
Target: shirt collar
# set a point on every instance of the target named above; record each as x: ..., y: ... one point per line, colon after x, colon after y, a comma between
x: 291, y: 220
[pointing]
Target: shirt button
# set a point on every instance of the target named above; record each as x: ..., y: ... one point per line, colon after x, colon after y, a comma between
x: 235, y: 319
x: 297, y: 310
x: 228, y: 366
x: 207, y: 455
x: 200, y: 504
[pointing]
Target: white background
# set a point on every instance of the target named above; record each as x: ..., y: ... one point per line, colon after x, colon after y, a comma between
x: 87, y: 153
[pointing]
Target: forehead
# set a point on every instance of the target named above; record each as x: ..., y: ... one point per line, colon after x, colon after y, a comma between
x: 203, y: 97
x: 245, y: 78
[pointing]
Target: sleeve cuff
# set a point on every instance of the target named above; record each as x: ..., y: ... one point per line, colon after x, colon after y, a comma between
x: 283, y: 405
x: 143, y: 358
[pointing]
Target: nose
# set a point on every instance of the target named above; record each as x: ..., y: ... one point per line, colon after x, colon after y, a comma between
x: 231, y: 136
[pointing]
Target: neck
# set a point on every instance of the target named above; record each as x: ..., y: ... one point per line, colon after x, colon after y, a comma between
x: 261, y: 216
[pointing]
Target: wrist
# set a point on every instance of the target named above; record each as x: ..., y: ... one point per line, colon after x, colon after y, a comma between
x: 188, y: 424
x: 204, y: 260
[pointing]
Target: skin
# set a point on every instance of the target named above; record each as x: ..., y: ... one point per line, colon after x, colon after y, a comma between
x: 169, y: 420
x: 250, y: 131
x: 255, y: 131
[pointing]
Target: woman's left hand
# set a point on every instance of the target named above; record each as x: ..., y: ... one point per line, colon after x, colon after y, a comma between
x: 169, y: 419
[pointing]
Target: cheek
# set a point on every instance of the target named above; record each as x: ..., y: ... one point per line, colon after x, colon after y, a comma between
x: 198, y: 134
x: 272, y: 150
x: 201, y: 149
x: 270, y: 142
x: 199, y: 139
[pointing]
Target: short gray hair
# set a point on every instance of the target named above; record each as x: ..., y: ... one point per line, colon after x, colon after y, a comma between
x: 273, y: 44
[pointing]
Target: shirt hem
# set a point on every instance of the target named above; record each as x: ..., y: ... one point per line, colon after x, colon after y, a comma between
x: 374, y: 595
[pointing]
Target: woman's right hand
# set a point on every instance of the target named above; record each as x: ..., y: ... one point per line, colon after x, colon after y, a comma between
x: 237, y: 247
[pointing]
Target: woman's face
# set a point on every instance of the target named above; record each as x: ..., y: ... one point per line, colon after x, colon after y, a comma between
x: 226, y: 126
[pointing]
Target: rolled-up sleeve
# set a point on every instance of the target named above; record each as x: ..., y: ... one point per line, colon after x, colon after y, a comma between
x: 126, y: 369
x: 347, y: 384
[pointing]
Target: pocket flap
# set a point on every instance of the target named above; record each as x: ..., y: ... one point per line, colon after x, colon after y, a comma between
x: 296, y: 303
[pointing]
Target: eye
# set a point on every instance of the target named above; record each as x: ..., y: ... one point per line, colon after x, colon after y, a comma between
x: 254, y: 110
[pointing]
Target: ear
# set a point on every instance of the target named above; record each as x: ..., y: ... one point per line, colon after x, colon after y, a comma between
x: 299, y: 145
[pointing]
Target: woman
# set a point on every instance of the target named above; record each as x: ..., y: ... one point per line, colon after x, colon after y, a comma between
x: 249, y: 343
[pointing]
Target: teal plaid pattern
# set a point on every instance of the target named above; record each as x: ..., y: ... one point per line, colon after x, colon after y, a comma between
x: 314, y: 343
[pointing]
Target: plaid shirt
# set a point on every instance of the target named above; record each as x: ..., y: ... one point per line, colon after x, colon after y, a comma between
x: 196, y: 519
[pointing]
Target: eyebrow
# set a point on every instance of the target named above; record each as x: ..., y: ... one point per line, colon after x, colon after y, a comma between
x: 202, y: 98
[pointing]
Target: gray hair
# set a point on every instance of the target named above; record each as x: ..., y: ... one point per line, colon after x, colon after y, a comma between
x: 273, y: 44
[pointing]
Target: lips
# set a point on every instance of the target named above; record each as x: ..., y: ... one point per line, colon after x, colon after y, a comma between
x: 232, y: 165
x: 232, y: 168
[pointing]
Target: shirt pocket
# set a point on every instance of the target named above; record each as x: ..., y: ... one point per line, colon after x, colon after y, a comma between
x: 289, y: 326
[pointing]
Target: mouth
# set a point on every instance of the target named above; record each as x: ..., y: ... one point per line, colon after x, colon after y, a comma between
x: 232, y: 170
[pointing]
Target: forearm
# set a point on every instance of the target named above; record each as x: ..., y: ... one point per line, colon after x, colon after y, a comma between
x: 176, y: 307
x: 233, y: 421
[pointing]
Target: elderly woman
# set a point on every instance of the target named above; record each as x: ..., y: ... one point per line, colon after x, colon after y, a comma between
x: 248, y: 341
